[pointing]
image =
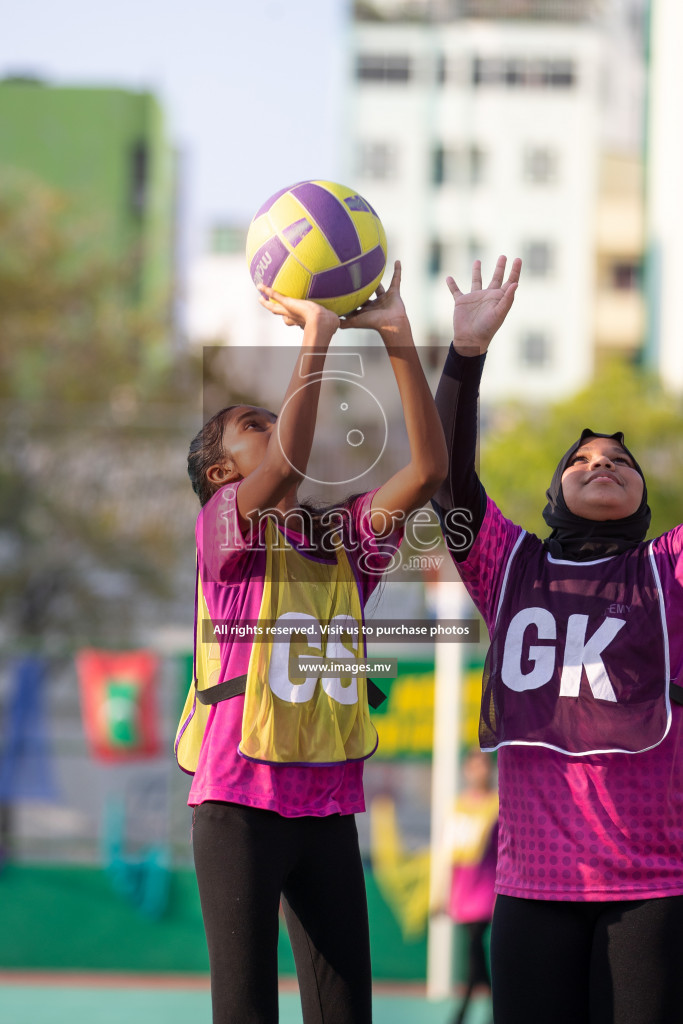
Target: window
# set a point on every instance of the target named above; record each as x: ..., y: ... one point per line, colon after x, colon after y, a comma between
x: 391, y: 68
x: 523, y: 72
x: 476, y: 160
x: 538, y: 259
x: 465, y: 165
x: 138, y: 177
x: 515, y: 72
x: 225, y: 238
x: 438, y: 165
x: 540, y: 165
x: 561, y: 73
x: 488, y: 71
x: 537, y: 73
x: 377, y: 160
x: 550, y: 10
x: 437, y: 342
x: 625, y: 275
x: 435, y: 258
x: 535, y: 349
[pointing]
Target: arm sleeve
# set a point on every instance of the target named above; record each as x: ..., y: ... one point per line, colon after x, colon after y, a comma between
x: 460, y: 502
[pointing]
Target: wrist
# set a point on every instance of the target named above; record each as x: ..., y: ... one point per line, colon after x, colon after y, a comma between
x: 469, y: 349
x: 396, y: 333
x: 321, y: 327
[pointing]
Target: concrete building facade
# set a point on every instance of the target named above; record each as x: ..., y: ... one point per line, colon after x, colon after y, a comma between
x: 665, y: 169
x: 475, y: 131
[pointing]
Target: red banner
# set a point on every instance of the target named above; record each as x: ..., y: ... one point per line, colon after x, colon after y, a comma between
x: 119, y: 705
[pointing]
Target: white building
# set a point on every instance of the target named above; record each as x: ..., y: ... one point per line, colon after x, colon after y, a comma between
x: 223, y: 305
x: 665, y: 166
x: 475, y: 132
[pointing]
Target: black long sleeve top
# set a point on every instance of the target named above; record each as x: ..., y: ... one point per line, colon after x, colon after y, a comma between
x: 460, y: 502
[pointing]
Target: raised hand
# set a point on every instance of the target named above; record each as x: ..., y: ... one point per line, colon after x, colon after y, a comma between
x: 297, y: 312
x: 385, y: 312
x: 479, y: 313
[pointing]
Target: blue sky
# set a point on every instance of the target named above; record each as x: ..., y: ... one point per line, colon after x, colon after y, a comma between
x: 252, y: 90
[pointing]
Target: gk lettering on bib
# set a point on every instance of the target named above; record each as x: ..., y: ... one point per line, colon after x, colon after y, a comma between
x: 579, y: 657
x: 314, y: 720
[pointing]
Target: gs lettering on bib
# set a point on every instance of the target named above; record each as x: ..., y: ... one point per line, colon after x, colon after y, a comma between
x: 314, y: 720
x: 579, y: 656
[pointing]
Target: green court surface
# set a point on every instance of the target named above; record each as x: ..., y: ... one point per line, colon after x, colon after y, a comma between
x: 65, y: 1000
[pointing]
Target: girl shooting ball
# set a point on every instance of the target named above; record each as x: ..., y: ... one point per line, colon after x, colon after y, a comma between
x: 278, y: 763
x: 586, y: 653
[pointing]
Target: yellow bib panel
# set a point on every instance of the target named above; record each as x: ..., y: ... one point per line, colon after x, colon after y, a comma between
x: 313, y: 720
x: 207, y: 673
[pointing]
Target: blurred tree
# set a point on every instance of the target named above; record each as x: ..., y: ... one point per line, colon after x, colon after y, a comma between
x: 97, y: 411
x: 521, y: 446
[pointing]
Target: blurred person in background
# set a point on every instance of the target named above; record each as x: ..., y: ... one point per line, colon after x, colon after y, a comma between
x: 471, y: 842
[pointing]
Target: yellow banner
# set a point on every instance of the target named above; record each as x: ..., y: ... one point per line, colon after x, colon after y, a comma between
x: 405, y: 723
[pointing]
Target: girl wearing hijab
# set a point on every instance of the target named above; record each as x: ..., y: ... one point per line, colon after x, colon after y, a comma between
x: 581, y: 699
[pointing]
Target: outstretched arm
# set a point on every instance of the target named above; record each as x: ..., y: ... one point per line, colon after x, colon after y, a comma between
x: 289, y: 447
x: 460, y: 502
x: 412, y: 485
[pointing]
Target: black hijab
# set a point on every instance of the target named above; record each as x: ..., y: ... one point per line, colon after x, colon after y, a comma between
x: 578, y: 539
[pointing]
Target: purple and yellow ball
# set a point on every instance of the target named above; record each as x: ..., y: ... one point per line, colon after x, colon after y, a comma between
x: 318, y: 240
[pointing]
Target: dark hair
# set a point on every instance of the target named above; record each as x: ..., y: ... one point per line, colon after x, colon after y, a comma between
x: 206, y: 448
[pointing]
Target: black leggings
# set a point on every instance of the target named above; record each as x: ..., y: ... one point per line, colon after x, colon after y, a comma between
x: 587, y: 963
x: 246, y: 859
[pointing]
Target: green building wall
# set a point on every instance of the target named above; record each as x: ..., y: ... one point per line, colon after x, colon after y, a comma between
x: 107, y: 149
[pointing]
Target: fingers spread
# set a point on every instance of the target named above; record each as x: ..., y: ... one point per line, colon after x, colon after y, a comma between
x: 503, y: 305
x: 515, y: 271
x: 498, y: 273
x: 396, y: 278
